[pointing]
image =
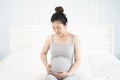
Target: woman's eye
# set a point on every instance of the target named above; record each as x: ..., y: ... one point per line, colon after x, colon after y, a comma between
x: 58, y: 28
x: 53, y: 28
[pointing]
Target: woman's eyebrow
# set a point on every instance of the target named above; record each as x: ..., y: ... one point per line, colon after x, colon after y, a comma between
x: 56, y: 27
x: 53, y: 27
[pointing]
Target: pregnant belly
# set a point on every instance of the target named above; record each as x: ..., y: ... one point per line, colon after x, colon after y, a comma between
x: 60, y: 64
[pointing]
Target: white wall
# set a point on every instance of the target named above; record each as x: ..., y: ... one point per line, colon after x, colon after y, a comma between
x: 77, y: 11
x: 116, y: 22
x: 4, y: 30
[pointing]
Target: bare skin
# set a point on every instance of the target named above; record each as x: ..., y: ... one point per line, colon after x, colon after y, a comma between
x: 61, y: 36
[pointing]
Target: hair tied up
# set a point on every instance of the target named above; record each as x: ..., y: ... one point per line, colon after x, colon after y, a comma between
x: 59, y: 9
x: 59, y: 15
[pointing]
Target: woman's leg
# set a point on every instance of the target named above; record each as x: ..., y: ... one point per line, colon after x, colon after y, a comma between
x: 51, y: 77
x: 72, y: 77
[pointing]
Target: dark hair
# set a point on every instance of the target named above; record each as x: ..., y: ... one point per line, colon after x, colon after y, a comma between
x: 59, y: 15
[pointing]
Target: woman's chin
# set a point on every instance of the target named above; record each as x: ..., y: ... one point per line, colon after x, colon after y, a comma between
x: 59, y: 34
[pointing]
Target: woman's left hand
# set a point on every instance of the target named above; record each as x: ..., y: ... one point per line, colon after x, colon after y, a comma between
x: 63, y: 74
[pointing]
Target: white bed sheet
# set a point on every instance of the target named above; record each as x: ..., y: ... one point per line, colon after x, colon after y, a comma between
x: 21, y: 65
x: 101, y: 65
x: 25, y: 64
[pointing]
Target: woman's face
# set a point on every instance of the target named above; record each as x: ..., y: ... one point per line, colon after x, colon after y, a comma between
x: 58, y: 28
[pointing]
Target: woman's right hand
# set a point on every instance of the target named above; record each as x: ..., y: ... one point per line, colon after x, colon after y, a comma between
x: 49, y: 69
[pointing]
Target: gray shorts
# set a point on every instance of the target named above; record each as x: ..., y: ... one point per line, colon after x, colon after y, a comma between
x: 51, y: 77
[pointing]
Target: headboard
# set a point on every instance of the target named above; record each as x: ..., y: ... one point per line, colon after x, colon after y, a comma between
x: 33, y: 36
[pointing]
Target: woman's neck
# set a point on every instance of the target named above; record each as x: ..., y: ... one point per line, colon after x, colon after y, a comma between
x: 64, y: 34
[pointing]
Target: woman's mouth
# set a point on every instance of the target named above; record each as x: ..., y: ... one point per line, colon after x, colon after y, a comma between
x: 59, y: 33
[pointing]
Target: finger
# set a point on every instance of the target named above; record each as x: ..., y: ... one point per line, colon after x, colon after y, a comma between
x: 49, y: 69
x: 61, y: 72
x: 50, y: 65
x: 49, y: 72
x: 57, y: 73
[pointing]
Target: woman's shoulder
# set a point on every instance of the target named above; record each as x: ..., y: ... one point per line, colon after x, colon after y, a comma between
x: 75, y: 37
x: 49, y: 37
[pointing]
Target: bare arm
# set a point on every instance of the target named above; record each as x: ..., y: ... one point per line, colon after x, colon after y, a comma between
x: 76, y: 56
x: 44, y: 53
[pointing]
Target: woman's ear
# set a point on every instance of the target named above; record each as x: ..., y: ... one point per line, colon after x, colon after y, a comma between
x: 65, y: 25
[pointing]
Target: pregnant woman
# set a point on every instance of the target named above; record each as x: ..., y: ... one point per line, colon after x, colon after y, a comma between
x: 64, y: 46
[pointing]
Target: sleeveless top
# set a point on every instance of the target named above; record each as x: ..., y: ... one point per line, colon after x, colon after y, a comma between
x: 61, y: 55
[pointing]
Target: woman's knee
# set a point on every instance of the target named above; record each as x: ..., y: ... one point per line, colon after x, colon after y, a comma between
x: 50, y: 77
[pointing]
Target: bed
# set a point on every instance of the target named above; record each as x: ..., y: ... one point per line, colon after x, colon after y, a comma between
x: 97, y: 53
